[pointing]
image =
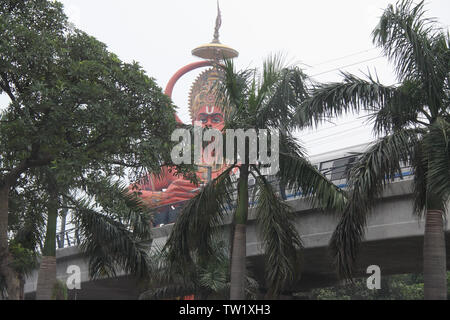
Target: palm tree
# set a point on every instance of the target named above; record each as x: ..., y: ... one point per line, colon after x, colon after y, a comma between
x: 115, y: 230
x: 252, y: 101
x: 115, y: 237
x: 412, y: 121
x: 47, y: 268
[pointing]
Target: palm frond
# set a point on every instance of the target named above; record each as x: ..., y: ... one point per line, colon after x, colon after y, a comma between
x: 195, y: 226
x: 116, y: 200
x: 262, y: 100
x: 351, y: 95
x: 111, y: 245
x: 436, y: 145
x: 235, y: 89
x: 214, y: 277
x: 282, y: 91
x: 280, y: 238
x: 402, y: 109
x: 301, y: 176
x: 209, y: 278
x: 416, y: 46
x: 268, y: 80
x: 163, y: 274
x: 378, y: 166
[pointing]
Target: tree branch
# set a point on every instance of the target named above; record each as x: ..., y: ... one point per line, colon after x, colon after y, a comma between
x: 14, y: 174
x: 5, y: 87
x: 121, y: 163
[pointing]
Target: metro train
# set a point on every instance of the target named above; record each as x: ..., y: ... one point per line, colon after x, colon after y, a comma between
x: 335, y: 165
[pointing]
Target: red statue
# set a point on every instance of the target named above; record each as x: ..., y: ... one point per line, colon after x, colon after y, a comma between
x: 165, y: 189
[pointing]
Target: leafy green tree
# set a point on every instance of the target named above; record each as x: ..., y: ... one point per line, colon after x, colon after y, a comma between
x: 24, y: 262
x: 413, y: 122
x: 73, y: 105
x: 255, y: 101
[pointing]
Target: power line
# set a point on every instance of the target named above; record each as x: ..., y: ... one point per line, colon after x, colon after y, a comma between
x: 335, y: 126
x: 343, y: 57
x: 348, y: 65
x: 334, y: 134
x: 352, y: 55
x: 325, y: 145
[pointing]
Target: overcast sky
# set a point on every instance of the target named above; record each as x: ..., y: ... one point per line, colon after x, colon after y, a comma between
x: 314, y: 34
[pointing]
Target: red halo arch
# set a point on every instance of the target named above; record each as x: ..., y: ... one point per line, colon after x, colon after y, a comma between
x: 181, y: 72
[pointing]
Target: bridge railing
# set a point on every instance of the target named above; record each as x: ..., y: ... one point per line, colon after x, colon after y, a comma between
x: 68, y: 238
x: 335, y: 170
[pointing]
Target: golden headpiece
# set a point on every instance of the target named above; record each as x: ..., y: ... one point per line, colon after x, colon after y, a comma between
x: 204, y: 92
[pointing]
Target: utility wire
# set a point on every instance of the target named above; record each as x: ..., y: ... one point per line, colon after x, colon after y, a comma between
x: 343, y: 57
x: 348, y: 65
x: 335, y: 126
x: 334, y: 134
x: 350, y: 55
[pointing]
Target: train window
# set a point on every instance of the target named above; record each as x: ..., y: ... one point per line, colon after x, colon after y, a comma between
x: 326, y: 167
x: 341, y: 168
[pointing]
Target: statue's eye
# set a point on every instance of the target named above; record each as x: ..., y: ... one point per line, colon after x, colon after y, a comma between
x: 203, y: 118
x: 217, y: 118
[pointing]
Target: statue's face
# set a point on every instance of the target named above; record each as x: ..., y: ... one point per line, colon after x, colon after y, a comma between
x: 210, y: 116
x: 203, y: 100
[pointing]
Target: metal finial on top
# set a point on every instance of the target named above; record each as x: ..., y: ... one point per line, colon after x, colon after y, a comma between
x: 218, y: 24
x: 215, y: 50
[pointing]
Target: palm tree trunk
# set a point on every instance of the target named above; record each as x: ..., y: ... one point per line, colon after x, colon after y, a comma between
x: 238, y: 254
x: 22, y: 288
x: 47, y: 269
x: 62, y: 228
x: 434, y: 257
x: 46, y: 278
x: 237, y: 288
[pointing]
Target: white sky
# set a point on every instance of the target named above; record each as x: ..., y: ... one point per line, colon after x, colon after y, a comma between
x: 161, y: 34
